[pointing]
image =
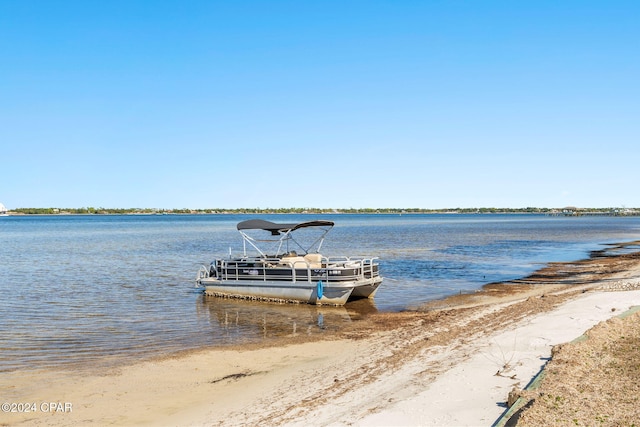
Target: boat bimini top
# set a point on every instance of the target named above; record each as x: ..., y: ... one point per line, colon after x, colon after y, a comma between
x: 283, y: 234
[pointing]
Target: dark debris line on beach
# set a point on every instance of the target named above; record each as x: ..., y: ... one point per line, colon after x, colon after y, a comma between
x: 610, y: 260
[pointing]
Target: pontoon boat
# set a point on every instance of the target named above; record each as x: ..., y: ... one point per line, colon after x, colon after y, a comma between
x: 307, y: 276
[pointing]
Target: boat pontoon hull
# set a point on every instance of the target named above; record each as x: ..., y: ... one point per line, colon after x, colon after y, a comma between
x: 279, y: 291
x: 366, y: 290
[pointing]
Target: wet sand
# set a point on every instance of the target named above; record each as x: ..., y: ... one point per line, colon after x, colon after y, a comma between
x: 451, y: 362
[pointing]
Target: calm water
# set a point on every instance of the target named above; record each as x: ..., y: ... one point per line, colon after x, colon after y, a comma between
x: 85, y: 290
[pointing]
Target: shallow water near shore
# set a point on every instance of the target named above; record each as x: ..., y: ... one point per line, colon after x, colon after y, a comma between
x: 80, y: 290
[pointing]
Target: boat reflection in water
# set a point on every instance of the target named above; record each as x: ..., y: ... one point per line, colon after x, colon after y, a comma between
x: 242, y: 321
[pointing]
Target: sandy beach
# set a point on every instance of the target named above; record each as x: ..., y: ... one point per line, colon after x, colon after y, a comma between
x: 452, y: 362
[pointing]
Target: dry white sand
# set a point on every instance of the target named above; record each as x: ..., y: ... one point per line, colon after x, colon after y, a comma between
x: 473, y: 392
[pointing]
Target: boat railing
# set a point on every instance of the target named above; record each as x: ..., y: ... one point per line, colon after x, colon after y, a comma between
x: 365, y: 266
x: 329, y: 269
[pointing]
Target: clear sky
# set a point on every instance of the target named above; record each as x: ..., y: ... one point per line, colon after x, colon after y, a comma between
x: 330, y: 104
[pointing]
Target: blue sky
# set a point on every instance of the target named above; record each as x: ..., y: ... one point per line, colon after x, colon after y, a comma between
x: 331, y: 104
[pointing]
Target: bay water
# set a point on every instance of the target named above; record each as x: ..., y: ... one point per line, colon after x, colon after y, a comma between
x: 85, y: 291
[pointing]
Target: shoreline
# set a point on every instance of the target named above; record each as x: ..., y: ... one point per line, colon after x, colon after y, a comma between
x: 412, y: 367
x: 552, y: 212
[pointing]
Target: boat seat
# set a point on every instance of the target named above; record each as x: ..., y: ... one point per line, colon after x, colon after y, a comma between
x: 314, y: 260
x: 309, y: 260
x: 288, y: 261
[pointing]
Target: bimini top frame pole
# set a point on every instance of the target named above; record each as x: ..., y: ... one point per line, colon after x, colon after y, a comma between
x: 282, y: 230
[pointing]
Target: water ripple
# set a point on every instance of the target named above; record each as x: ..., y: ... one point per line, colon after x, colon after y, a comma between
x: 81, y: 291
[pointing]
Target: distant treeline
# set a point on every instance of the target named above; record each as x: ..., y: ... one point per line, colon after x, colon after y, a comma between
x: 150, y: 211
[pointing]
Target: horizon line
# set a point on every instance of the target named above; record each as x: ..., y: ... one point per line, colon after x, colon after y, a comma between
x: 91, y: 209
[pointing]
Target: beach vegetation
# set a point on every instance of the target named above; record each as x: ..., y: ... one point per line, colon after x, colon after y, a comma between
x: 310, y: 210
x: 593, y: 381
